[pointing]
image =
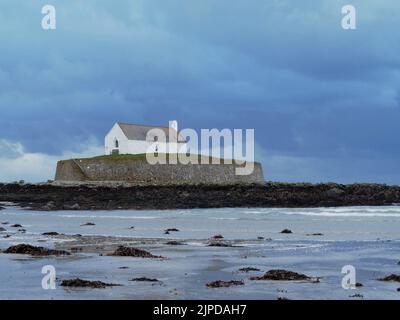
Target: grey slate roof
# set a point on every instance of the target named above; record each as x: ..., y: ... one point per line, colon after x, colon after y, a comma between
x: 139, y: 132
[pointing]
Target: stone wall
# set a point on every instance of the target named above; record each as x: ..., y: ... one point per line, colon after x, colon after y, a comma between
x: 140, y: 172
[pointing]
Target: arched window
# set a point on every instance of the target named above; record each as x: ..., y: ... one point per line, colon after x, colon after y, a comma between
x: 116, y: 143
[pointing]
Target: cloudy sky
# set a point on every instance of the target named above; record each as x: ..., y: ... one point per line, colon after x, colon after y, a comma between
x: 324, y: 101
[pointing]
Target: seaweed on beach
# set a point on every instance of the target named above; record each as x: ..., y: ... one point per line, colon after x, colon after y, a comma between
x: 171, y: 230
x: 79, y: 283
x: 248, y: 269
x: 53, y: 233
x: 219, y: 244
x: 174, y: 243
x: 282, y: 275
x: 392, y: 277
x: 35, y: 251
x: 224, y: 284
x: 88, y: 224
x: 122, y: 251
x: 144, y: 279
x: 357, y: 295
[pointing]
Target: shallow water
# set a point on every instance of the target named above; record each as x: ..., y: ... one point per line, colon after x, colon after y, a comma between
x: 365, y: 237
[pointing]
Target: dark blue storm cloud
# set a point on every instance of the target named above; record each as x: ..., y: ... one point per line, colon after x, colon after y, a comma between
x: 324, y: 101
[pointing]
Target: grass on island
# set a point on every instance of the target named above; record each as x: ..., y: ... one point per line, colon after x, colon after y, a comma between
x: 116, y: 157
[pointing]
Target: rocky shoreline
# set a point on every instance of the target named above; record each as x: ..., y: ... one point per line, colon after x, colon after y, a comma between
x: 271, y: 194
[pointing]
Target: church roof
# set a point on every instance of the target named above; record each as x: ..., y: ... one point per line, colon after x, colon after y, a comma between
x: 139, y: 132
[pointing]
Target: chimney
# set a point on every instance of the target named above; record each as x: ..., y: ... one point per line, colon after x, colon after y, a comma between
x: 173, y: 124
x: 173, y: 137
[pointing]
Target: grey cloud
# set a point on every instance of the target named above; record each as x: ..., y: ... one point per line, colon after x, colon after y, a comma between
x: 286, y: 68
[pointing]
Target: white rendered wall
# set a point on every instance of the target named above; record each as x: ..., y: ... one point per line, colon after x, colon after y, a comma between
x: 115, y: 134
x: 138, y: 147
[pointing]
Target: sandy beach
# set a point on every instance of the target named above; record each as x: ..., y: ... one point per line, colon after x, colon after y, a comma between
x: 323, y: 240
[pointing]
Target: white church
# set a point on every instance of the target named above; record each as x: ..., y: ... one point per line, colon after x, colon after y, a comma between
x: 126, y: 138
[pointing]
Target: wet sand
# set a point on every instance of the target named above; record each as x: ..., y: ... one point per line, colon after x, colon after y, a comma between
x: 365, y: 237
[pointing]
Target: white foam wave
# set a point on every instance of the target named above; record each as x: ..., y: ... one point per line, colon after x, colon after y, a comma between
x: 348, y: 212
x: 106, y: 217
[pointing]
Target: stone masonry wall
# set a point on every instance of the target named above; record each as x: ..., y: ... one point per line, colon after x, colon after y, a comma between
x: 139, y: 171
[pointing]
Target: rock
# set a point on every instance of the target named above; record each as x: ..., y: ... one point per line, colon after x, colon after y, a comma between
x: 218, y: 236
x: 287, y: 231
x: 282, y: 298
x: 248, y: 269
x: 75, y: 206
x: 333, y: 193
x: 53, y: 233
x: 88, y: 224
x: 122, y: 268
x: 359, y: 285
x: 35, y: 251
x: 5, y: 223
x: 392, y: 277
x: 2, y: 229
x: 144, y: 279
x: 49, y: 206
x: 171, y: 230
x: 7, y: 236
x: 132, y: 252
x: 357, y: 295
x: 260, y: 238
x: 224, y: 284
x: 79, y: 283
x: 314, y: 234
x: 22, y: 230
x: 398, y: 289
x: 151, y: 196
x: 282, y: 275
x: 16, y: 226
